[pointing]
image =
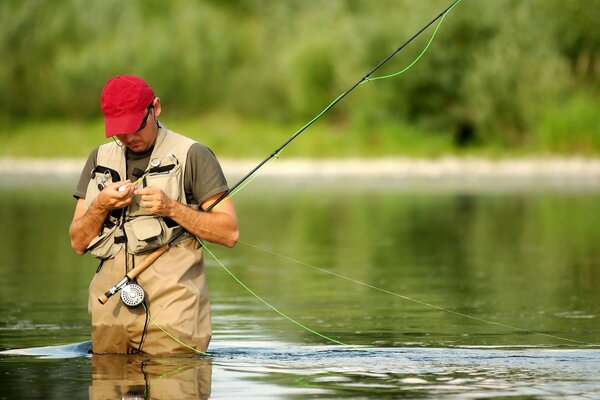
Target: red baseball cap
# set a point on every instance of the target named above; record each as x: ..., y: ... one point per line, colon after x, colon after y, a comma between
x: 124, y: 101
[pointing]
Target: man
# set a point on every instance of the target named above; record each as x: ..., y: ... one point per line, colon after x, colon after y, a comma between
x: 148, y: 187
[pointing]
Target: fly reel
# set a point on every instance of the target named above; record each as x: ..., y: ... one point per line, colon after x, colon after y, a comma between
x: 132, y: 295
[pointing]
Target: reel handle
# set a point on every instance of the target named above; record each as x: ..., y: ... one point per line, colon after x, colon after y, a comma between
x: 145, y: 263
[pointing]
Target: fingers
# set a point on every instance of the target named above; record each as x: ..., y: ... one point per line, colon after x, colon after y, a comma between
x: 120, y: 190
x: 116, y: 195
x: 148, y: 190
x: 154, y: 200
x: 149, y: 197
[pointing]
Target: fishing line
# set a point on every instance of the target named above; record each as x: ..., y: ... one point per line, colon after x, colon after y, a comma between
x: 250, y: 176
x: 420, y: 55
x: 364, y: 79
x: 423, y: 303
x: 272, y: 307
x: 412, y: 299
x: 144, y: 331
x: 171, y: 336
x: 253, y: 293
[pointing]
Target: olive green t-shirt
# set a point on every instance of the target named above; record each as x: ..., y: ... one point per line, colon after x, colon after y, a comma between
x: 203, y: 176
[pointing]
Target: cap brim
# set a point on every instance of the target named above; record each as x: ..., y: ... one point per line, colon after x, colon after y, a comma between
x: 124, y: 124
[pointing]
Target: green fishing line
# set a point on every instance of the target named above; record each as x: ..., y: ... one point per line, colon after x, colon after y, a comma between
x: 171, y: 336
x: 272, y: 307
x: 254, y: 174
x: 419, y: 56
x: 423, y: 303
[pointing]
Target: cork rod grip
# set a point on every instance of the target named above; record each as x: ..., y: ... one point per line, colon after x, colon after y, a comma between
x: 145, y: 263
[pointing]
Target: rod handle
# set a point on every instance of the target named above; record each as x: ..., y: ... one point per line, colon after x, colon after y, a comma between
x: 146, y: 262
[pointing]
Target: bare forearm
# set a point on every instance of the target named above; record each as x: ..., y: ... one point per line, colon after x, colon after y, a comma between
x: 215, y: 227
x: 85, y: 228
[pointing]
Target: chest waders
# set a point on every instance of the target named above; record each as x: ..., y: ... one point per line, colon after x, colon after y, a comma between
x: 175, y: 287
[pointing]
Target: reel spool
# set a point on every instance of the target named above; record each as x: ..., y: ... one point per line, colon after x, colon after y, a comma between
x: 132, y: 295
x: 134, y: 395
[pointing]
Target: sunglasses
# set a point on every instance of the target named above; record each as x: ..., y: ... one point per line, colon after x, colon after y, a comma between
x: 145, y: 120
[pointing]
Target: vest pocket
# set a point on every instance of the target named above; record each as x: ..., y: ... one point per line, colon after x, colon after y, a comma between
x: 100, y: 178
x: 103, y: 246
x: 169, y: 181
x: 144, y: 233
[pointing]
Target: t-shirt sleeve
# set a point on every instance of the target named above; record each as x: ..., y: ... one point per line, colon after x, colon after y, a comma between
x: 84, y: 178
x: 203, y: 175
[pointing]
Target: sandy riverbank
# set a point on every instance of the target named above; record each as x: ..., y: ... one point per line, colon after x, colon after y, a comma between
x: 451, y: 167
x: 443, y: 174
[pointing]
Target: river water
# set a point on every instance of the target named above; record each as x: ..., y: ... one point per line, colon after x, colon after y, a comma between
x: 436, y: 291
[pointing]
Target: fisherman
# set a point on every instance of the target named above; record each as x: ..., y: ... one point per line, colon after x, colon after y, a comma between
x: 146, y: 188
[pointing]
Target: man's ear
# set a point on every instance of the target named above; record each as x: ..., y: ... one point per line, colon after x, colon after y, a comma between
x: 156, y: 104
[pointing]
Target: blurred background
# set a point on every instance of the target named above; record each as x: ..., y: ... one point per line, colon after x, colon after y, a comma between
x: 501, y: 77
x: 516, y: 247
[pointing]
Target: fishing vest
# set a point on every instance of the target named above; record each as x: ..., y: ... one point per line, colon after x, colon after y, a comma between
x: 134, y: 228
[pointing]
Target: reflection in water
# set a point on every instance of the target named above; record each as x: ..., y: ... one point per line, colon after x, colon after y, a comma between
x: 485, y: 372
x: 261, y: 369
x: 524, y: 259
x: 141, y: 377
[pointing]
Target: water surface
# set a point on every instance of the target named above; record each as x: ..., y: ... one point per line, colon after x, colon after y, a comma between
x: 484, y: 291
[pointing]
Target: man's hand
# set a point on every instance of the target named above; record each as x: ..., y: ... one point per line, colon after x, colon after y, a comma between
x: 114, y: 196
x: 87, y: 222
x: 156, y: 201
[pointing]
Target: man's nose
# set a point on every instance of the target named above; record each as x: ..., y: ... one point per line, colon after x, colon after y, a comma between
x: 125, y: 138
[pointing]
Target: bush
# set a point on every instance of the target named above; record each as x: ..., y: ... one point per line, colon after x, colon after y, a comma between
x: 490, y: 76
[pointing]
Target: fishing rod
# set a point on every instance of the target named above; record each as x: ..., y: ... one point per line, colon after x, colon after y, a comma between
x: 330, y: 106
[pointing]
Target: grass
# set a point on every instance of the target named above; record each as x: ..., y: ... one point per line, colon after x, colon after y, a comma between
x: 50, y: 139
x: 571, y: 130
x: 572, y: 127
x: 230, y: 137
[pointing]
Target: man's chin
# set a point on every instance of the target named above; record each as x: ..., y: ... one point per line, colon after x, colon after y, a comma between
x: 137, y: 148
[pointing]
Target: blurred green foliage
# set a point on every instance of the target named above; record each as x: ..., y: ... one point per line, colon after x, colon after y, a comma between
x: 518, y: 74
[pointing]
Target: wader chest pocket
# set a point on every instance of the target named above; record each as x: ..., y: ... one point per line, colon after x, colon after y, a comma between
x: 144, y: 233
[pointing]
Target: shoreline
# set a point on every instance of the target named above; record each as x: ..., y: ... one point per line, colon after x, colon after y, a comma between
x: 446, y: 174
x: 399, y: 167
